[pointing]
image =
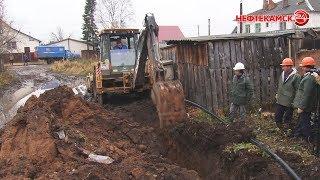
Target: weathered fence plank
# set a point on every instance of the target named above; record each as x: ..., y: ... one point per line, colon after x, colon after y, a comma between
x: 208, y: 88
x: 214, y: 89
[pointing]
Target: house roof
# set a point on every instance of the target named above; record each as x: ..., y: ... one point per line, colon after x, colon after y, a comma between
x: 244, y: 36
x: 80, y: 41
x: 18, y: 31
x: 307, y: 5
x: 169, y: 33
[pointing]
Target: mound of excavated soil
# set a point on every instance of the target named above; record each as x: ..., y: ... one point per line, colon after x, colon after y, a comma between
x: 47, y: 138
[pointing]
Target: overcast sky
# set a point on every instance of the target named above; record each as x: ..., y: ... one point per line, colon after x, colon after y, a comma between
x: 41, y: 17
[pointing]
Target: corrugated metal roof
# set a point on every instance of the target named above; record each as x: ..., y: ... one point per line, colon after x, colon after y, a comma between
x: 80, y: 41
x: 240, y: 36
x: 293, y: 6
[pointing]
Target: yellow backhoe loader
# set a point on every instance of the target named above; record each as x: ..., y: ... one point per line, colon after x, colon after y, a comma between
x: 130, y: 61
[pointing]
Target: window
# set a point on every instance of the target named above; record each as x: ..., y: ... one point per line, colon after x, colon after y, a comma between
x: 258, y: 27
x: 12, y: 45
x: 267, y: 24
x: 283, y: 25
x: 247, y: 28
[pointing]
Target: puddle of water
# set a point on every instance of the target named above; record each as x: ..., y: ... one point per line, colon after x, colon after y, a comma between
x: 50, y: 85
x: 13, y: 111
x: 9, y: 100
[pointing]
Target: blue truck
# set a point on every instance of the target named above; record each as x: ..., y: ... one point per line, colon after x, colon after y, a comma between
x: 53, y: 53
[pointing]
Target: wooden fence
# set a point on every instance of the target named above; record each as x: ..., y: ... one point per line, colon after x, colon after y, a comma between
x: 18, y: 57
x: 90, y: 54
x: 205, y: 68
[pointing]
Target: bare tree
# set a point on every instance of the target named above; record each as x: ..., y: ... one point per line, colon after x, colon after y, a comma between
x: 7, y: 33
x: 114, y: 13
x: 58, y: 35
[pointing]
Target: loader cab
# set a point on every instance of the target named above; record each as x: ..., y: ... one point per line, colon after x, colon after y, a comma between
x: 118, y: 50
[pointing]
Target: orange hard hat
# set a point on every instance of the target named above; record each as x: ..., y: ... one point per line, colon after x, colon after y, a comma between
x: 308, y: 61
x: 287, y: 62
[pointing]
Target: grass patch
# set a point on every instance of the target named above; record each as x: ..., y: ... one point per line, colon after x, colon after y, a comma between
x: 200, y: 116
x: 277, y: 139
x: 241, y: 147
x: 5, y: 78
x: 234, y: 148
x: 79, y: 67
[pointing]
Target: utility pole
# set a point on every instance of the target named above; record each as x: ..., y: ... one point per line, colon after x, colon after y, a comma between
x: 209, y: 26
x: 241, y: 13
x: 198, y: 30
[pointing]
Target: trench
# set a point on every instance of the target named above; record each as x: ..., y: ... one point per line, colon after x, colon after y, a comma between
x: 197, y: 146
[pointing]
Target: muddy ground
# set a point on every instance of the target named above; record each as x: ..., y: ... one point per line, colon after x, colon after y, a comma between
x: 54, y: 136
x: 29, y: 79
x: 128, y: 132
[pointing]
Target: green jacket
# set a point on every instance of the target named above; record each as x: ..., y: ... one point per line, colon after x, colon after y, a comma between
x: 306, y: 95
x: 241, y: 90
x: 287, y: 88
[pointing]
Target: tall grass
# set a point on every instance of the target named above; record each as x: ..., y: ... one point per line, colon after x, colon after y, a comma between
x: 79, y: 67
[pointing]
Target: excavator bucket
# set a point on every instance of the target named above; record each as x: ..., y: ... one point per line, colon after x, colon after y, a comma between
x: 168, y: 98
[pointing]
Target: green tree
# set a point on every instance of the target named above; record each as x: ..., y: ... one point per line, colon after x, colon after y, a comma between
x: 89, y: 28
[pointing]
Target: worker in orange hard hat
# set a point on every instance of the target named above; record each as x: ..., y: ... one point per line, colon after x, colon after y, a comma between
x: 287, y: 87
x: 305, y: 100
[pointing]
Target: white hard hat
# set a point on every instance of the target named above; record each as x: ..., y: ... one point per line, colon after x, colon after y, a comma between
x: 239, y: 66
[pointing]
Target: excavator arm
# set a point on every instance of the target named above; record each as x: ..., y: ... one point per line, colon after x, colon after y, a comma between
x: 167, y: 92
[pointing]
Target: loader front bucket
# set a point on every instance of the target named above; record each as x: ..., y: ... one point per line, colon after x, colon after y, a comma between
x: 168, y: 98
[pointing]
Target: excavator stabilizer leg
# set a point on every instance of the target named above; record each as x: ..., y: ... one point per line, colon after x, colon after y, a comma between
x: 168, y: 98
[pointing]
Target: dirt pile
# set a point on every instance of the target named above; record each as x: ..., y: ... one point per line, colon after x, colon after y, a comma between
x: 219, y: 151
x: 51, y: 137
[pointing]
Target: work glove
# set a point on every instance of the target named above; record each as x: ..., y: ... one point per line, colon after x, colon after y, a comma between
x: 300, y: 111
x: 314, y: 74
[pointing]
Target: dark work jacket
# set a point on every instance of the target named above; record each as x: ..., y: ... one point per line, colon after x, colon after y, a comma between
x: 306, y: 96
x: 241, y: 90
x: 287, y: 88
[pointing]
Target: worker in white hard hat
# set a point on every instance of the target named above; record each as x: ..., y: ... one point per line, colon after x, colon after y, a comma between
x: 241, y: 92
